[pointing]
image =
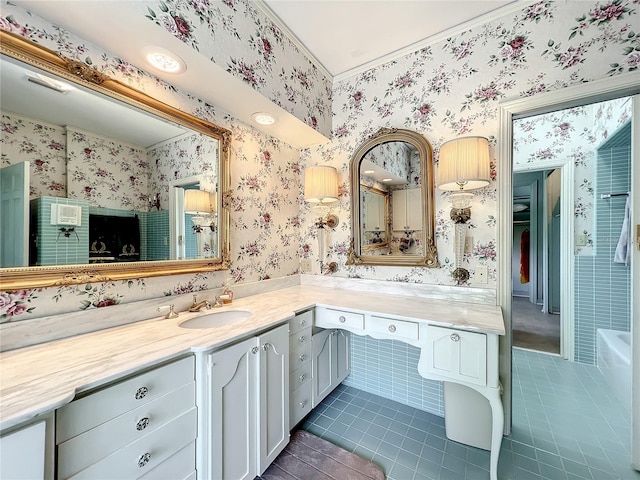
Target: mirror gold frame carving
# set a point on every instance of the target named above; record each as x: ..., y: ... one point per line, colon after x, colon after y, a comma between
x: 356, y: 254
x: 41, y: 57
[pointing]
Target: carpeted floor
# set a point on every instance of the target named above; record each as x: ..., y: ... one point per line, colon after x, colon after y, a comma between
x: 533, y: 329
x: 308, y: 457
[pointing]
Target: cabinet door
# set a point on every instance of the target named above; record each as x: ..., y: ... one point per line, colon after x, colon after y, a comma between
x: 274, y: 395
x: 458, y: 354
x: 233, y: 411
x: 322, y: 365
x: 343, y: 367
x: 22, y: 453
x: 399, y: 201
x: 414, y: 209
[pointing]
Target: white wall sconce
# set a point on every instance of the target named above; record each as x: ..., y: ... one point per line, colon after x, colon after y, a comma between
x: 464, y: 165
x: 321, y: 190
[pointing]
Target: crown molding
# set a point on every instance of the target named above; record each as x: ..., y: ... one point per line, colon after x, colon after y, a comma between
x: 264, y: 8
x: 499, y: 12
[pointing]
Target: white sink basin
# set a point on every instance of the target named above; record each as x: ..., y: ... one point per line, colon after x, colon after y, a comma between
x: 216, y: 319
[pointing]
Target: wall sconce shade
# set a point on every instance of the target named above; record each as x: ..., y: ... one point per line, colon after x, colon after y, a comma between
x: 320, y: 185
x: 199, y: 202
x: 464, y: 164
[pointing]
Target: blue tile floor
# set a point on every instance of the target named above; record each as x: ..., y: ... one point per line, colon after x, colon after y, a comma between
x: 566, y: 426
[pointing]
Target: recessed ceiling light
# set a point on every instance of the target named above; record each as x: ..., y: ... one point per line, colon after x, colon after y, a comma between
x: 263, y: 118
x: 369, y: 171
x: 387, y: 179
x: 164, y: 60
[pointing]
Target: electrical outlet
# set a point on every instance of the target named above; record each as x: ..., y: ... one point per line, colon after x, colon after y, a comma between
x: 305, y: 265
x: 481, y: 274
x: 468, y: 244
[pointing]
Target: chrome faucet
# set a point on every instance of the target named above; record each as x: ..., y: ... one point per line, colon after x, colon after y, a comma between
x: 197, y: 306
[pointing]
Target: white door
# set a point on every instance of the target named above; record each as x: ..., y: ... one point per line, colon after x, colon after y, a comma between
x: 321, y: 365
x: 274, y: 395
x: 14, y: 215
x: 343, y: 367
x: 233, y: 411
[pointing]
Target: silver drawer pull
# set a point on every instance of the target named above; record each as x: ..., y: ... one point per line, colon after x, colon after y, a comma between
x: 342, y: 319
x: 142, y: 423
x: 302, y: 377
x: 144, y: 459
x: 255, y: 350
x: 266, y: 346
x: 141, y: 393
x: 392, y: 328
x: 303, y: 357
x: 302, y: 338
x: 303, y: 322
x: 455, y: 337
x: 303, y: 404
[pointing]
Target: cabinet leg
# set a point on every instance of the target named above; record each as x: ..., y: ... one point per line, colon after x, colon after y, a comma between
x: 497, y: 426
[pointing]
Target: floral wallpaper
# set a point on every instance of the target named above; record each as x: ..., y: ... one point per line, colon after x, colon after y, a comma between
x: 445, y: 90
x: 572, y: 134
x: 43, y: 146
x: 239, y: 37
x: 187, y: 156
x: 106, y: 172
x: 452, y: 89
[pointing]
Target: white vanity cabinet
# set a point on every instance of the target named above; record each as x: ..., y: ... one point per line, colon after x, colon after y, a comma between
x: 135, y: 428
x: 248, y: 406
x: 300, y: 328
x: 330, y: 362
x: 22, y: 453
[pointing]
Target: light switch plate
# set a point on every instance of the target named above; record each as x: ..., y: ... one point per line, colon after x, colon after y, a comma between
x: 581, y: 240
x: 305, y: 265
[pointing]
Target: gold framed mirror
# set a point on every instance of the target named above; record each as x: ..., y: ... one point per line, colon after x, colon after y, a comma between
x: 392, y: 206
x: 152, y: 203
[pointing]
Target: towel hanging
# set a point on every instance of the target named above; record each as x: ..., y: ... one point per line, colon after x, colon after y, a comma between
x: 524, y: 256
x: 623, y: 249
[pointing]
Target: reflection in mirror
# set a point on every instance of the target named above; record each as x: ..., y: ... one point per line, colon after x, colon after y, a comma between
x: 87, y: 179
x: 392, y: 201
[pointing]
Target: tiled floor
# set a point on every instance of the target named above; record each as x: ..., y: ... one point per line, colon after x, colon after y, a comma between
x: 566, y: 426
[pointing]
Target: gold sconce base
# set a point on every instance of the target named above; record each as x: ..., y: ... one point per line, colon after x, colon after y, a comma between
x: 461, y: 275
x: 331, y: 267
x: 331, y: 221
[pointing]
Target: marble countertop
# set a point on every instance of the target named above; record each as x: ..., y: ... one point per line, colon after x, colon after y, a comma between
x: 40, y: 378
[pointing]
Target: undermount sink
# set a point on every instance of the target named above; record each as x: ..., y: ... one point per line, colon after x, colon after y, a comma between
x: 216, y: 319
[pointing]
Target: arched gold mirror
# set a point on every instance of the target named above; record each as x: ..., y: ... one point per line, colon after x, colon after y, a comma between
x: 392, y: 211
x: 100, y: 194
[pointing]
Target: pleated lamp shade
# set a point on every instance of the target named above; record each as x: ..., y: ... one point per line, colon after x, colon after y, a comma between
x: 321, y: 184
x: 464, y: 164
x: 197, y: 202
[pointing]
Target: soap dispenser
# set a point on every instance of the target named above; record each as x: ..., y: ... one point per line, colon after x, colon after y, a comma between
x: 227, y: 293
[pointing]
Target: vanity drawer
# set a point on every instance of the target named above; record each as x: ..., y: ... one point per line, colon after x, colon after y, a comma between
x: 299, y: 355
x: 300, y: 322
x: 94, y: 409
x: 328, y: 318
x: 300, y: 404
x: 300, y: 376
x: 143, y: 455
x: 299, y: 338
x: 390, y: 328
x: 90, y: 447
x: 180, y: 465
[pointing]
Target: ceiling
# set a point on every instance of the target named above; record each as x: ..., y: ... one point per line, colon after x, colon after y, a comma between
x: 347, y: 35
x: 341, y: 37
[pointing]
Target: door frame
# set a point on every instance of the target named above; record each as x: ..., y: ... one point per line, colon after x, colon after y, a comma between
x: 598, y: 90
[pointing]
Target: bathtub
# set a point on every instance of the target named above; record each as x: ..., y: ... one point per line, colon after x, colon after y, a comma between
x: 614, y: 361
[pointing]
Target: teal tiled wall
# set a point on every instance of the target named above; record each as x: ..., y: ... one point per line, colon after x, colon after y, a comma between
x: 52, y: 247
x: 603, y: 288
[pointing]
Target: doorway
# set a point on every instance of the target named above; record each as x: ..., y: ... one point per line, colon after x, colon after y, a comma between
x: 536, y: 312
x: 581, y: 239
